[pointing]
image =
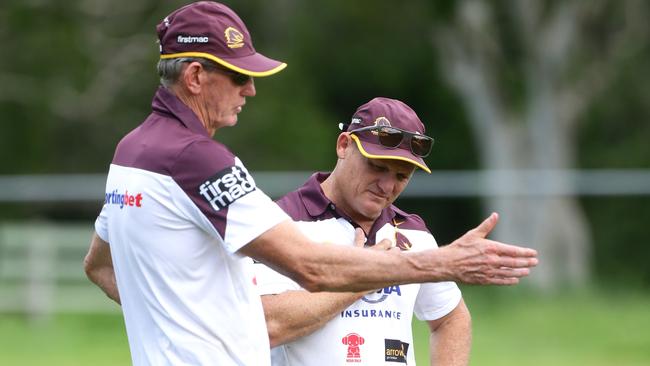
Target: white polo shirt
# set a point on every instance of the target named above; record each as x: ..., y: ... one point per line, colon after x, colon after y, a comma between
x: 178, y: 207
x: 375, y: 330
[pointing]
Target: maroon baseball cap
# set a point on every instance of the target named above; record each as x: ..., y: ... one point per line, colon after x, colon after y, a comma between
x: 212, y: 30
x: 386, y: 112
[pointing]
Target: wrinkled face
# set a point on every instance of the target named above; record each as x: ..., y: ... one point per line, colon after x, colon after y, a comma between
x: 371, y: 184
x: 222, y: 99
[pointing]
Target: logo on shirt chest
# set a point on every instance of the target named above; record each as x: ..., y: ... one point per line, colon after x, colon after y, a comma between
x: 353, y: 341
x: 396, y: 350
x: 381, y: 294
x: 226, y: 187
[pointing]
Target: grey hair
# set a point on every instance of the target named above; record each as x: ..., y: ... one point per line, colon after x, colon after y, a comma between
x: 169, y: 69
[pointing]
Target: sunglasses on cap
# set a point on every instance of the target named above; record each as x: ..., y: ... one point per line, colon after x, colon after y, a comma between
x: 237, y: 78
x: 392, y: 137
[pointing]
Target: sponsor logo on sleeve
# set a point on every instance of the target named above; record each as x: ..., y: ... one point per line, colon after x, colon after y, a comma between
x: 396, y: 350
x: 353, y: 341
x: 226, y: 187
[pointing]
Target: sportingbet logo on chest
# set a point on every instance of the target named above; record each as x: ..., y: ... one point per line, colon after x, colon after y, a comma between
x: 226, y: 187
x: 123, y: 199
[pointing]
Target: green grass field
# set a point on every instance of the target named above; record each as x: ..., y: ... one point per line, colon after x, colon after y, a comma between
x: 515, y: 328
x: 511, y: 327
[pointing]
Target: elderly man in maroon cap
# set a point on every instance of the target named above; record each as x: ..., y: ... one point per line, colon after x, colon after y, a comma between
x: 378, y: 151
x: 182, y: 215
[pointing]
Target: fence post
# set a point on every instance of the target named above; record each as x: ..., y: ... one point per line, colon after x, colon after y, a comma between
x: 41, y: 275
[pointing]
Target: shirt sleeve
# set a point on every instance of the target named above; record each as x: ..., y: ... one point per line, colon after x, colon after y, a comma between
x: 219, y: 184
x: 435, y: 299
x: 270, y: 282
x: 101, y: 225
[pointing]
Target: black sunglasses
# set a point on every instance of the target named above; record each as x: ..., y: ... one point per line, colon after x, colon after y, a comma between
x: 392, y: 137
x: 237, y: 78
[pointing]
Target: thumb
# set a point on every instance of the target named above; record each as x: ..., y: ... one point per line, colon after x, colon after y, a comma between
x: 487, y: 225
x: 385, y: 244
x: 359, y: 238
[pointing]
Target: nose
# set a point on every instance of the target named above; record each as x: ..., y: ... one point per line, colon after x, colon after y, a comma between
x: 248, y: 90
x: 386, y: 183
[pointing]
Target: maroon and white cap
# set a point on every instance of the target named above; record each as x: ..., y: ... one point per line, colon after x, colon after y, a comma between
x: 386, y: 112
x: 212, y: 30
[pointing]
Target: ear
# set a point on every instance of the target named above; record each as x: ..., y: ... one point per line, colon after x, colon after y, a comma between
x: 343, y: 143
x: 193, y: 78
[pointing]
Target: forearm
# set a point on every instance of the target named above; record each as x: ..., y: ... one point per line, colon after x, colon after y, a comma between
x: 98, y: 266
x: 294, y: 314
x: 451, y: 340
x: 329, y: 267
x: 104, y: 278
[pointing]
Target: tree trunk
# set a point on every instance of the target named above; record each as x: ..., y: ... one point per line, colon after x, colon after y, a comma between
x: 523, y: 148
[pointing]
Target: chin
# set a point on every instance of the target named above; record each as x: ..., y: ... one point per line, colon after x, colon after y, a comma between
x: 373, y: 212
x: 228, y: 123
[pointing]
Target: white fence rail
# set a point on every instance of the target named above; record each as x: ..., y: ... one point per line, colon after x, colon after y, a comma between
x: 90, y: 187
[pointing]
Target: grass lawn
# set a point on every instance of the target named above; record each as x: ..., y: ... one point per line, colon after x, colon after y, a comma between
x: 515, y: 328
x: 511, y: 327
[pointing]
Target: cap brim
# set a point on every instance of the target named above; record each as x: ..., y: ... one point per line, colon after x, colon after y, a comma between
x: 375, y: 151
x: 256, y: 64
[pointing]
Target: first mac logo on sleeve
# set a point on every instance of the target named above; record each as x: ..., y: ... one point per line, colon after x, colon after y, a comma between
x: 226, y: 187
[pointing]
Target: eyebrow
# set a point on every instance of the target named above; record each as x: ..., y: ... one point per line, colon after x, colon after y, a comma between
x: 374, y: 163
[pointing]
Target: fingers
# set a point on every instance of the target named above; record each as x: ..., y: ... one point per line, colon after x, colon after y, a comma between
x: 383, y: 245
x: 517, y: 262
x: 359, y: 238
x: 503, y: 276
x: 510, y: 273
x: 512, y: 250
x: 499, y: 277
x: 508, y: 281
x: 487, y: 225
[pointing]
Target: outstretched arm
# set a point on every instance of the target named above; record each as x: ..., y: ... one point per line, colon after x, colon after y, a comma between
x: 451, y: 338
x: 98, y: 265
x: 471, y: 259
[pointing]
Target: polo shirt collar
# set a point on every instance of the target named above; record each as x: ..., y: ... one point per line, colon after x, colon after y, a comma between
x: 319, y: 206
x: 165, y: 102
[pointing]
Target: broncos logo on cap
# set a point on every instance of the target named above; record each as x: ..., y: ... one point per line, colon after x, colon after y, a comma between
x: 234, y: 38
x: 382, y: 121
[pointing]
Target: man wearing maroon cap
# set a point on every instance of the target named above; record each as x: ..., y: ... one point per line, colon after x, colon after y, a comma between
x: 182, y: 215
x: 378, y: 152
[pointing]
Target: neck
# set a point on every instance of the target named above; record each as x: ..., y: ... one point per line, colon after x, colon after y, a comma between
x: 197, y: 106
x: 331, y: 191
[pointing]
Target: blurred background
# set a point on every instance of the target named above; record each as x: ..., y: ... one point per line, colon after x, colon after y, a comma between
x: 540, y: 111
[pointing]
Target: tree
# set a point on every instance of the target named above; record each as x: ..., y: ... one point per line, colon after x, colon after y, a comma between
x: 526, y: 70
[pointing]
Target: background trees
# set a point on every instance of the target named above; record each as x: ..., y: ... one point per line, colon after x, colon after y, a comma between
x: 501, y: 85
